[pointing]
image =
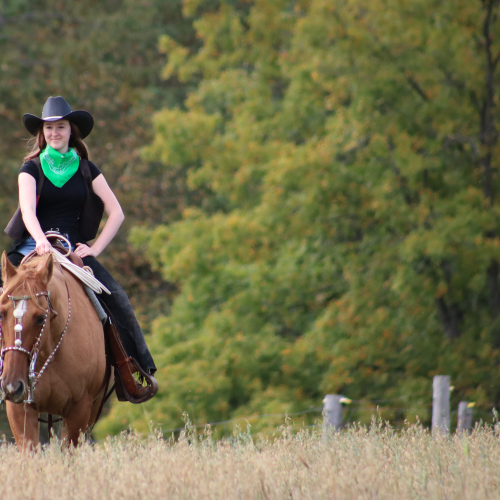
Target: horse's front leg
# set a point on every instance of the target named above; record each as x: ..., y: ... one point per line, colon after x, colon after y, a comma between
x: 76, y: 420
x: 24, y: 424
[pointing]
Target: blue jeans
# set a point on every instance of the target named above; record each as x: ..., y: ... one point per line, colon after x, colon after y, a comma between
x: 30, y: 244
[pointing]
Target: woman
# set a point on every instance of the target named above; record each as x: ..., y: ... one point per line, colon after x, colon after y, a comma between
x: 60, y: 189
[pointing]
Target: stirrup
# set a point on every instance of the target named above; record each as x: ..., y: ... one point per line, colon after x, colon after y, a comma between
x: 146, y: 392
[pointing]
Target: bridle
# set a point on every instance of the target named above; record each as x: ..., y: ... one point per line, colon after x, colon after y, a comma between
x: 19, y: 310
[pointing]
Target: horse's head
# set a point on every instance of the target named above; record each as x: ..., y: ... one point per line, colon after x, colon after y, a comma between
x: 24, y: 309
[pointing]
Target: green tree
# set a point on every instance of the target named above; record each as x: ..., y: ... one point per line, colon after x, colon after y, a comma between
x: 349, y: 239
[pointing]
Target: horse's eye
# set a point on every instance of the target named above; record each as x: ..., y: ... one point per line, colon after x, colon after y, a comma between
x: 40, y: 320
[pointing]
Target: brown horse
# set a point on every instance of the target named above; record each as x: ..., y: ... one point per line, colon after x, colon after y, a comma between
x: 52, y: 359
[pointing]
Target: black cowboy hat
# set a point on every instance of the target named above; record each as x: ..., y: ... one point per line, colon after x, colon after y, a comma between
x: 56, y: 108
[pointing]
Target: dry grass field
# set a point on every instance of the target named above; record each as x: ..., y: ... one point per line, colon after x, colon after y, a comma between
x: 360, y: 463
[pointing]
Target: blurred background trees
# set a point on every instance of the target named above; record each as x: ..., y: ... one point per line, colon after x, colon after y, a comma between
x: 347, y: 241
x: 317, y: 197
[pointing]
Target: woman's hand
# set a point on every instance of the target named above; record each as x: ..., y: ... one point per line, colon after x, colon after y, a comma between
x: 43, y: 246
x: 83, y: 250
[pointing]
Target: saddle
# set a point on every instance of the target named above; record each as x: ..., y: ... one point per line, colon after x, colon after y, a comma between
x: 132, y: 383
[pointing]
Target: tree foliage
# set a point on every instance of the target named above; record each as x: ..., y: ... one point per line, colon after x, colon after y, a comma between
x: 348, y: 241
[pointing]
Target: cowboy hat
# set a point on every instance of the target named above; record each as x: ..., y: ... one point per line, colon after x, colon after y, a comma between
x: 56, y: 108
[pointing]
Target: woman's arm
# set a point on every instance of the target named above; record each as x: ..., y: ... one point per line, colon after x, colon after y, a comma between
x: 27, y: 202
x: 115, y: 218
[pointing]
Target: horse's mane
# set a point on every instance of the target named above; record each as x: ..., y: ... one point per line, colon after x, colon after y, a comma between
x: 26, y: 279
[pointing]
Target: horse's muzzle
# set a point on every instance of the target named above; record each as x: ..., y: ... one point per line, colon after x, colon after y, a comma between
x: 14, y: 392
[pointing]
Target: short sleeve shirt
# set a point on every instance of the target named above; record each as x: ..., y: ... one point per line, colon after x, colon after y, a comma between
x: 59, y: 208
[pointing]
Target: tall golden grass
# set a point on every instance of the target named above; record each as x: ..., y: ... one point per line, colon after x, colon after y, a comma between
x: 359, y: 463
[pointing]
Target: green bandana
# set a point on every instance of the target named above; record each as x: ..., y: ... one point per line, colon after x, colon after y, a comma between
x: 57, y: 167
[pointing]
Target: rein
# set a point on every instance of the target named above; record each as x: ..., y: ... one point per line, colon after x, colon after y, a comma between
x: 19, y: 310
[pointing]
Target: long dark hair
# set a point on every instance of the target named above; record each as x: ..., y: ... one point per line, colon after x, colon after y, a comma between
x: 38, y: 143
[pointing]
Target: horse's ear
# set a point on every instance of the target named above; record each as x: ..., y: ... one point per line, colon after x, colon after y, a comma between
x: 8, y: 270
x: 45, y: 273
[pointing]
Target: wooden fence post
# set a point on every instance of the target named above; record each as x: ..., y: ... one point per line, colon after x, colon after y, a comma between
x: 441, y: 404
x: 464, y: 417
x: 333, y: 412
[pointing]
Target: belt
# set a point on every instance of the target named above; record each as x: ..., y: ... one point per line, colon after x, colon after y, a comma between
x: 56, y: 230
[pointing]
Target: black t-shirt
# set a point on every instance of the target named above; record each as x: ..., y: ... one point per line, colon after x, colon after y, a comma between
x: 60, y: 207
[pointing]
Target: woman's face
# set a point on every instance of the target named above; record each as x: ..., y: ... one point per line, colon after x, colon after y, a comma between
x: 57, y: 134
